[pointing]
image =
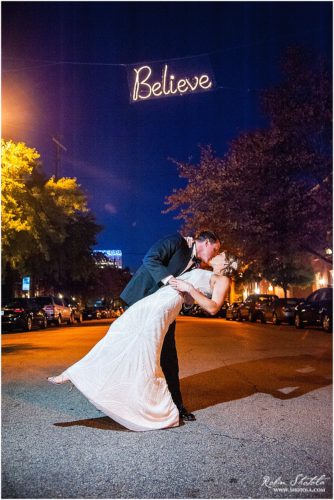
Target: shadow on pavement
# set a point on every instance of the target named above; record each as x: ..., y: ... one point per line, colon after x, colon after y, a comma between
x: 10, y: 349
x: 282, y: 377
x: 105, y: 423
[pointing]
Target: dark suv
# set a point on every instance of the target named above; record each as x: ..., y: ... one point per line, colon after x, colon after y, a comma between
x: 22, y: 314
x: 253, y: 307
x: 316, y: 310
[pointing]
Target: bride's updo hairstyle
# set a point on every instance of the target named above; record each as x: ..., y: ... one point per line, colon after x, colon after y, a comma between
x: 224, y: 265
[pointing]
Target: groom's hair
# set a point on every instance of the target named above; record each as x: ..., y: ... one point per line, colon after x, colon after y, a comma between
x: 207, y: 235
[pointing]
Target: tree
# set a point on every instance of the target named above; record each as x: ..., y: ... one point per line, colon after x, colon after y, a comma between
x: 269, y: 196
x: 47, y: 228
x: 108, y: 283
x: 285, y: 273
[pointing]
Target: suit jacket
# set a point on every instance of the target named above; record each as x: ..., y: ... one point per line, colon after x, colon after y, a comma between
x: 169, y: 255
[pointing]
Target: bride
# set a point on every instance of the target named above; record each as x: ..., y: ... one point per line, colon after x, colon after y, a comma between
x: 121, y: 374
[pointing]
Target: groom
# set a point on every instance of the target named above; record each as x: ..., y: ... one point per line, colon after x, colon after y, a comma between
x: 167, y: 258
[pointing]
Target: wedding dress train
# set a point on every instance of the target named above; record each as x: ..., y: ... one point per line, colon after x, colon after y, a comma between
x: 121, y: 374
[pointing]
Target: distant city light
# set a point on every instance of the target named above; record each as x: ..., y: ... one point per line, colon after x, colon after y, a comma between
x: 108, y: 258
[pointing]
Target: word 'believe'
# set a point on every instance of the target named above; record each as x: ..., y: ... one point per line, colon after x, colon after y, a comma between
x: 144, y: 89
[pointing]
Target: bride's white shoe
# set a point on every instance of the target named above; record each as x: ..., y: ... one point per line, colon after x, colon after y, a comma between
x: 59, y: 379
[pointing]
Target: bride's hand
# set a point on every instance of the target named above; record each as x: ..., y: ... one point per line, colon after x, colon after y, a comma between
x: 180, y: 285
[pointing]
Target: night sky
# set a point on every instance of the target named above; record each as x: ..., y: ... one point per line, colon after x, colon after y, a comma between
x: 120, y: 151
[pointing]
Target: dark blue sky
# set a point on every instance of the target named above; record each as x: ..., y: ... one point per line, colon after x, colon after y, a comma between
x: 120, y: 151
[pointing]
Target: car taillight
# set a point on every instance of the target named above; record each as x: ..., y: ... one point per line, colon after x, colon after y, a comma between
x: 18, y: 310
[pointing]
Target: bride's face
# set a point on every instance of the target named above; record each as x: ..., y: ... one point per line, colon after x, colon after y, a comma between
x: 218, y: 262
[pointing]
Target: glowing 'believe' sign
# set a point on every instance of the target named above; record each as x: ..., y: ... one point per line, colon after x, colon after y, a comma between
x: 147, y: 82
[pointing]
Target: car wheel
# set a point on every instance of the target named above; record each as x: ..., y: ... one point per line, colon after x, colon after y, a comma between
x: 298, y: 322
x: 57, y: 322
x: 44, y: 323
x: 71, y: 320
x: 263, y: 319
x: 28, y: 326
x: 326, y: 323
x: 251, y: 317
x: 79, y: 318
x: 276, y: 321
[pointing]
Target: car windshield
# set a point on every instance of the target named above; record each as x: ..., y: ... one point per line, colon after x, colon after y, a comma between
x: 325, y: 294
x: 43, y: 301
x: 263, y: 298
x: 291, y: 302
x: 16, y: 303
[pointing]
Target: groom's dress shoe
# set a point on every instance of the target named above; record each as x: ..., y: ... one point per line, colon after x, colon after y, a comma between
x: 185, y: 414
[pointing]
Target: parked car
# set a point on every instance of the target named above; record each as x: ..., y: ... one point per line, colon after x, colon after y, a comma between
x: 316, y: 310
x: 116, y: 313
x: 76, y: 309
x: 22, y: 314
x: 232, y: 311
x: 56, y: 309
x: 91, y: 312
x: 195, y: 310
x: 222, y: 312
x: 253, y: 307
x: 105, y: 312
x: 282, y: 311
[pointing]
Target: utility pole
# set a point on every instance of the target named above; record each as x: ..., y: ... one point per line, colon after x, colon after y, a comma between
x: 59, y: 146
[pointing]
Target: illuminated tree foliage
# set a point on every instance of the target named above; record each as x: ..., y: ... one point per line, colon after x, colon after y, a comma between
x: 269, y: 197
x: 47, y: 229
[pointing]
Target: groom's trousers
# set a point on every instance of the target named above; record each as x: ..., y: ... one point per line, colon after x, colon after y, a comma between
x: 170, y: 365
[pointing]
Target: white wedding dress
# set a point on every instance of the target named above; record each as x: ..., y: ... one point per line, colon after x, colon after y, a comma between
x: 121, y: 375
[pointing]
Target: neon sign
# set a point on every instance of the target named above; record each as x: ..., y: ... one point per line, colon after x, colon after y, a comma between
x: 147, y: 81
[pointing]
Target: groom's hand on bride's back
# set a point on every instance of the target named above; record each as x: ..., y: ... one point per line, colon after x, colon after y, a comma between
x: 190, y: 241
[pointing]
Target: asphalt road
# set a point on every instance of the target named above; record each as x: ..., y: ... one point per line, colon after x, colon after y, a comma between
x: 262, y: 396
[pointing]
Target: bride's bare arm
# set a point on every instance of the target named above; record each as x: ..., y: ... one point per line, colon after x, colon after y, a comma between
x: 213, y: 305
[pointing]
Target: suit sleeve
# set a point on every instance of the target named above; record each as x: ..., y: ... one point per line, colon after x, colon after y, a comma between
x: 157, y: 258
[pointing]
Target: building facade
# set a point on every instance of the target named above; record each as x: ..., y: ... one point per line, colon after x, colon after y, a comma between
x: 108, y: 258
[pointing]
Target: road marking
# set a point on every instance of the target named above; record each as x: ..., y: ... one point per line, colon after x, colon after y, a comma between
x: 287, y: 390
x: 307, y: 369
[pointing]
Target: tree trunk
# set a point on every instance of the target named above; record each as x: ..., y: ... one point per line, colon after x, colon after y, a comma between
x: 8, y: 285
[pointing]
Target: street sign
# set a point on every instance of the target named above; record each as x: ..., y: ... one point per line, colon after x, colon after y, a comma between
x: 26, y: 283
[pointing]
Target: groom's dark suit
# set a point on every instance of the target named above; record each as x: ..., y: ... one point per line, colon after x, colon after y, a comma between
x: 169, y: 255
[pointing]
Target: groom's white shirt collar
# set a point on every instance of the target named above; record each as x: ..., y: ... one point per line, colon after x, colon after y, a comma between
x: 193, y: 254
